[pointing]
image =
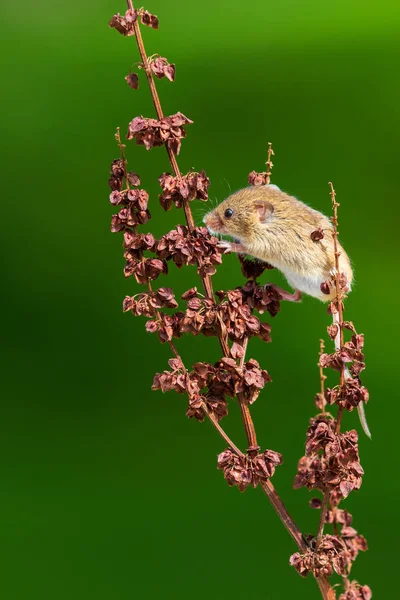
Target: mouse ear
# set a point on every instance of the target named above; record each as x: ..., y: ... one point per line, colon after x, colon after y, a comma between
x: 264, y: 210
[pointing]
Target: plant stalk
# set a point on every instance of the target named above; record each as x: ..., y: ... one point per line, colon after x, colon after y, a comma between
x: 326, y: 590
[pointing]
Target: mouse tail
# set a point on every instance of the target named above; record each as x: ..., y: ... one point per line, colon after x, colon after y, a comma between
x: 347, y: 375
x: 363, y: 420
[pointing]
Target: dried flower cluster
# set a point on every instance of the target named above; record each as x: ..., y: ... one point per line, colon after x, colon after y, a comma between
x: 159, y: 66
x: 212, y: 384
x: 331, y: 462
x: 157, y: 132
x: 162, y: 68
x: 228, y: 316
x: 331, y: 555
x: 125, y: 24
x: 233, y: 313
x: 193, y: 186
x: 248, y: 469
x: 185, y: 247
x: 355, y: 591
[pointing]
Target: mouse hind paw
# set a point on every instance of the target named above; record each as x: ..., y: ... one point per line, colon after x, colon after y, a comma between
x: 289, y: 297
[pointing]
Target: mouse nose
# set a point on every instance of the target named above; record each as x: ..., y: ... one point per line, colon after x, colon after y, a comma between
x: 209, y: 218
x: 213, y: 222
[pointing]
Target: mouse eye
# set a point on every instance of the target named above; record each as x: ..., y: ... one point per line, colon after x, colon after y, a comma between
x: 228, y: 213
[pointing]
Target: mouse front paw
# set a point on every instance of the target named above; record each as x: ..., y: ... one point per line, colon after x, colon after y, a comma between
x: 225, y: 246
x: 231, y: 247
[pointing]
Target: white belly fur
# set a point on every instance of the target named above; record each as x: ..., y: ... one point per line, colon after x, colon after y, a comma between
x: 307, y: 284
x: 310, y: 284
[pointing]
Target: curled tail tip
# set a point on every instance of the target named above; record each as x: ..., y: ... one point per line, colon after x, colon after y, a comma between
x: 363, y: 420
x: 367, y: 432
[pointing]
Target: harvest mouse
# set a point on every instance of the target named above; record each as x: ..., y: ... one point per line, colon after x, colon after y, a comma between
x: 277, y: 228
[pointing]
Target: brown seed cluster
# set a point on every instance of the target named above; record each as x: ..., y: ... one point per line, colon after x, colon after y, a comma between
x: 162, y: 68
x: 351, y: 357
x: 249, y: 469
x: 252, y: 268
x: 331, y: 555
x: 124, y: 24
x: 255, y: 178
x: 193, y: 186
x: 202, y: 315
x: 233, y: 312
x: 117, y: 176
x: 348, y: 541
x: 132, y: 80
x: 356, y: 591
x: 331, y: 463
x: 159, y: 65
x: 148, y: 19
x: 154, y: 132
x: 149, y: 303
x: 213, y: 384
x: 184, y: 248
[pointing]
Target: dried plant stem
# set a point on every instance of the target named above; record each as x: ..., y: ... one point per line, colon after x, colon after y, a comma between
x: 328, y: 593
x: 206, y: 280
x: 284, y: 516
x: 269, y: 164
x: 244, y: 408
x: 172, y: 158
x: 339, y: 295
x: 221, y: 431
x: 322, y: 377
x: 326, y: 590
x: 248, y: 422
x: 322, y: 518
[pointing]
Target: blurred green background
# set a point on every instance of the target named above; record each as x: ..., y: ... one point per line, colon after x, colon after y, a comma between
x: 107, y: 490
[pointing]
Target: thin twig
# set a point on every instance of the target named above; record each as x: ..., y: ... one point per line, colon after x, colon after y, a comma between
x: 284, y: 515
x: 322, y: 377
x: 221, y: 431
x: 339, y: 294
x: 322, y: 519
x: 269, y: 164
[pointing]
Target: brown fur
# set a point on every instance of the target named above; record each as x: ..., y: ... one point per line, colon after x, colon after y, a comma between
x: 284, y: 239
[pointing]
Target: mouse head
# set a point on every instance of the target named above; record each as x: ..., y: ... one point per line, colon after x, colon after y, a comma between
x: 242, y: 213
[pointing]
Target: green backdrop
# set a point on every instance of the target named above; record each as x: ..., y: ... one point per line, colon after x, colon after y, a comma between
x: 107, y: 490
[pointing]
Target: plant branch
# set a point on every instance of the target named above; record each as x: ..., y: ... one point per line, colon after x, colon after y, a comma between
x: 284, y: 516
x: 269, y: 164
x: 339, y: 294
x: 326, y: 590
x: 322, y: 377
x: 322, y: 518
x: 221, y: 431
